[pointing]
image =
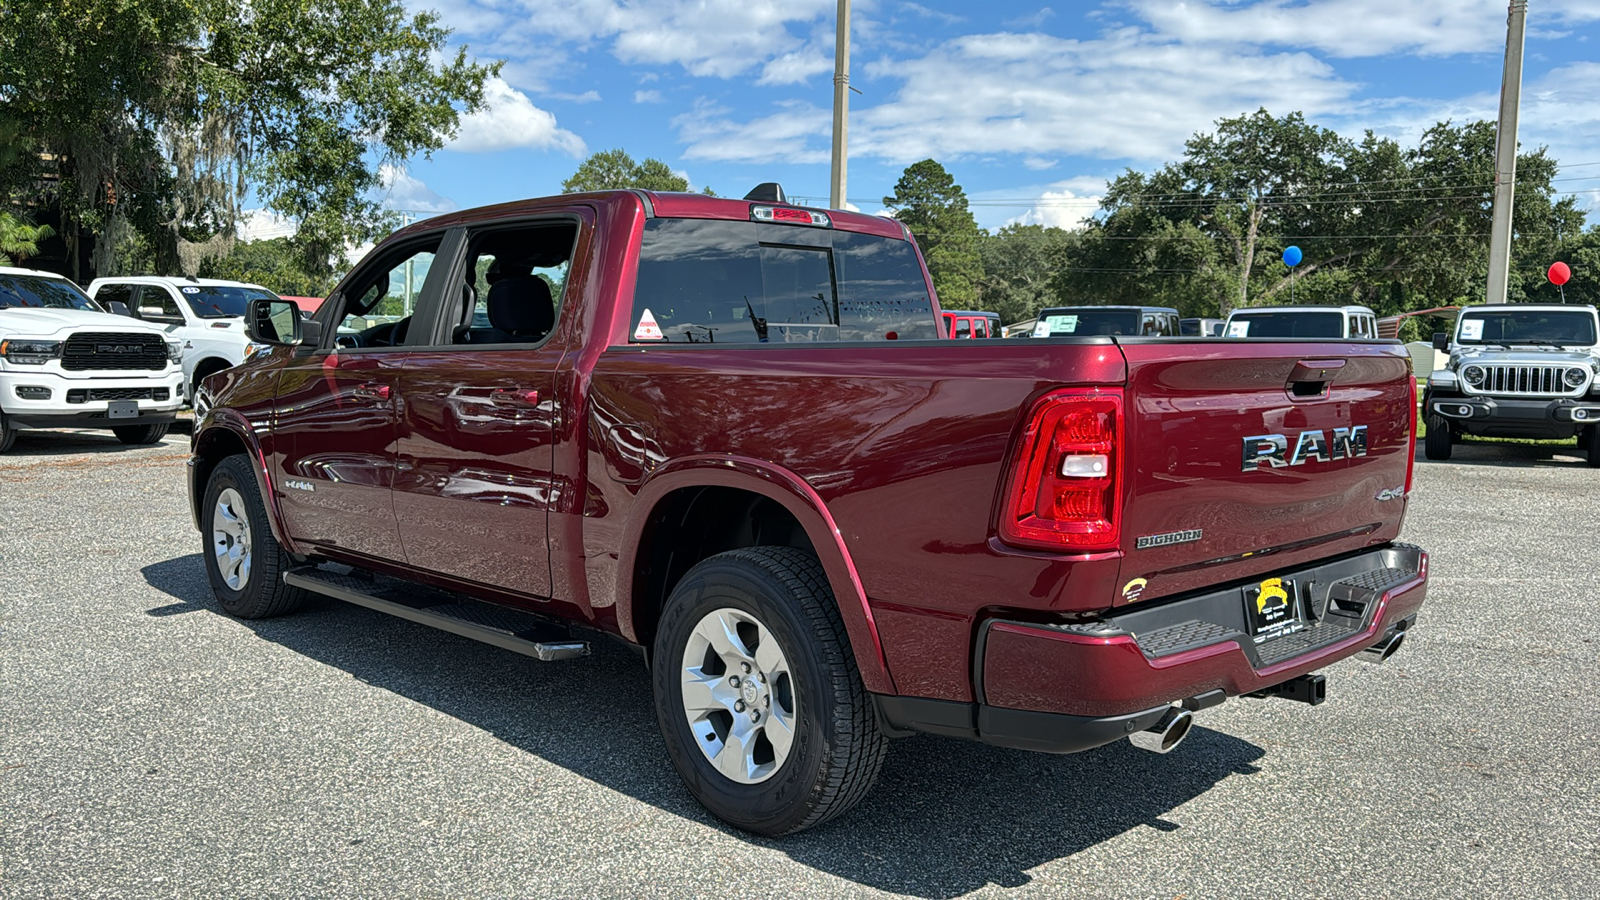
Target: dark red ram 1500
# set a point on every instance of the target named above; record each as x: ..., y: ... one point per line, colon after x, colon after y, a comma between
x: 725, y: 432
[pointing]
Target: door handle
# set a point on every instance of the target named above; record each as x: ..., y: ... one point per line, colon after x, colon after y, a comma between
x: 502, y: 397
x: 370, y: 392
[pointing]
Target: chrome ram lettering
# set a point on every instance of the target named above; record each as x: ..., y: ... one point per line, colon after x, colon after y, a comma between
x: 1273, y: 449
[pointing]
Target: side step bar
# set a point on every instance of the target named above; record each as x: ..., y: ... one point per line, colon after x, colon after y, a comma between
x: 501, y: 626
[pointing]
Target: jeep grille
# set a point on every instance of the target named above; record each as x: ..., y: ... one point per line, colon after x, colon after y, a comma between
x: 1526, y: 380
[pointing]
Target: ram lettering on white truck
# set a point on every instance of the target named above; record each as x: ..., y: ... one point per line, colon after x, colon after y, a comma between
x: 66, y: 363
x: 205, y: 315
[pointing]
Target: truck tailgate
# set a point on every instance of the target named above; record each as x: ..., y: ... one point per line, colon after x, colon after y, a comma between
x: 1247, y: 458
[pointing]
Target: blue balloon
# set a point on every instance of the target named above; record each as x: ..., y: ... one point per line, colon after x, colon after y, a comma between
x: 1292, y: 256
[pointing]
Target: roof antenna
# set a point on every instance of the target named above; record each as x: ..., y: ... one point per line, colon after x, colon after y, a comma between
x: 767, y: 192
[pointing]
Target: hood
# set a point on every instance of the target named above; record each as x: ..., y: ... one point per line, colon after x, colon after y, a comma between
x: 1552, y: 356
x: 47, y: 322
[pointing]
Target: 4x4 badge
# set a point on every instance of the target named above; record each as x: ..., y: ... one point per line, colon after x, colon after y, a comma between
x: 299, y: 485
x: 1132, y: 590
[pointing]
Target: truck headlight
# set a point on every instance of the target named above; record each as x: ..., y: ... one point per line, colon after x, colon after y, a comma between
x: 1576, y: 377
x: 174, y: 352
x: 1473, y: 375
x: 30, y: 353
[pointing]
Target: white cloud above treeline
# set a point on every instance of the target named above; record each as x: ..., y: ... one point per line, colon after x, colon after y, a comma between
x: 509, y: 119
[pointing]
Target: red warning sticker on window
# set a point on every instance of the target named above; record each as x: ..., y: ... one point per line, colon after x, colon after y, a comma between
x: 648, y: 330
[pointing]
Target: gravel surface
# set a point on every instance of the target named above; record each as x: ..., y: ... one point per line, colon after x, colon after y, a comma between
x: 151, y: 746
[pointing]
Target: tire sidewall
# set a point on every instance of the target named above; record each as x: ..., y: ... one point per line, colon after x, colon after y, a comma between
x: 226, y: 475
x: 777, y: 804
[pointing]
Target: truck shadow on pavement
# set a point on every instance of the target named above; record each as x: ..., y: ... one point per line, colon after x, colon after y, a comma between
x: 946, y: 818
x: 1543, y: 456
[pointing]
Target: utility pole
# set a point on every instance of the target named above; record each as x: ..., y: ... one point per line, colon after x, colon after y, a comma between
x: 841, y: 105
x: 1505, y: 154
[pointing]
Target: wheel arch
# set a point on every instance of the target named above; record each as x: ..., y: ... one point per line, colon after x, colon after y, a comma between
x: 221, y: 435
x: 204, y: 368
x: 695, y: 507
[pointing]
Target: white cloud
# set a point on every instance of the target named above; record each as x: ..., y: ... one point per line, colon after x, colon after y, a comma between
x: 1064, y: 205
x: 510, y: 119
x: 590, y: 96
x: 796, y: 67
x: 402, y: 191
x: 264, y: 224
x: 713, y: 133
x: 1129, y: 94
x: 1355, y: 28
x: 647, y: 96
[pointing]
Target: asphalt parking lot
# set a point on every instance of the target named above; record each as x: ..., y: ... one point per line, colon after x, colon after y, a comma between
x: 151, y: 746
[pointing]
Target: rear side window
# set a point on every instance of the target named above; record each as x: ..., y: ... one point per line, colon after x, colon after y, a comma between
x: 713, y: 281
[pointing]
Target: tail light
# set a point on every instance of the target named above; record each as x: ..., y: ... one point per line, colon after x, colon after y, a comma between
x: 1411, y: 448
x: 1064, y: 491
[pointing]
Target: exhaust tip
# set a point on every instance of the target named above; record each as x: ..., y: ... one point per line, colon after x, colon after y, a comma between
x: 1165, y: 735
x: 1385, y: 648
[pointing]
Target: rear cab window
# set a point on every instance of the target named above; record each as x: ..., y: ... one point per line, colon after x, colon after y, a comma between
x: 718, y: 281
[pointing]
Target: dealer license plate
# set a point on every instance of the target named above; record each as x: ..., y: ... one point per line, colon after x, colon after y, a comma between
x: 1274, y: 609
x: 122, y: 409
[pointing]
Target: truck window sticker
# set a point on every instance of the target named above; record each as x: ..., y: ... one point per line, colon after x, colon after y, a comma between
x: 1239, y: 328
x: 1471, y: 329
x: 1060, y: 325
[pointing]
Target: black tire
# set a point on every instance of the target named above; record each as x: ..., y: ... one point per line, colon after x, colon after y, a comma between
x: 1591, y: 447
x: 837, y: 747
x: 8, y: 435
x: 141, y: 434
x: 1439, y: 439
x: 260, y: 592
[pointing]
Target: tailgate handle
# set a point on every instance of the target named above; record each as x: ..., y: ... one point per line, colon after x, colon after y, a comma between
x: 1310, y: 378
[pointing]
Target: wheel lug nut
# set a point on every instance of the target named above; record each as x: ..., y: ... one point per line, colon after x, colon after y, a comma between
x: 738, y: 706
x: 733, y: 680
x: 761, y: 677
x: 755, y: 715
x: 746, y: 667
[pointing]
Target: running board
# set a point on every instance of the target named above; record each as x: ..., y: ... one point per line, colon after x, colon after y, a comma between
x: 487, y: 622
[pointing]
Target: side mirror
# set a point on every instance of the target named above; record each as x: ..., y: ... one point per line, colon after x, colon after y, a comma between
x: 1441, y: 341
x: 151, y: 311
x: 118, y: 308
x: 275, y: 322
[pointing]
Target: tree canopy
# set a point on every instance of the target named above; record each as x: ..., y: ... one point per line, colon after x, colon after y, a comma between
x: 615, y: 169
x: 147, y: 124
x: 928, y: 201
x: 1398, y: 229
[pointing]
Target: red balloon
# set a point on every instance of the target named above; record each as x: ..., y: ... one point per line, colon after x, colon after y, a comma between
x: 1559, y: 274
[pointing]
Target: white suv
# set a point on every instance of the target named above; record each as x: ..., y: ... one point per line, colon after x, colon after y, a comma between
x: 66, y: 363
x: 1337, y: 322
x: 205, y: 315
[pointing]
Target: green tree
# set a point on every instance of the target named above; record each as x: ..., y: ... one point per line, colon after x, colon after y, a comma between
x: 614, y: 169
x: 1398, y: 229
x: 928, y: 201
x: 19, y: 239
x: 162, y: 116
x: 1019, y: 262
x: 271, y: 263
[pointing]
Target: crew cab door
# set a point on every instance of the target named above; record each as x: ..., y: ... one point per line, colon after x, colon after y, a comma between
x: 1247, y: 459
x: 479, y: 408
x: 338, y: 406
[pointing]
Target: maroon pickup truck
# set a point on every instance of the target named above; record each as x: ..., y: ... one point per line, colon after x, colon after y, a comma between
x: 726, y: 433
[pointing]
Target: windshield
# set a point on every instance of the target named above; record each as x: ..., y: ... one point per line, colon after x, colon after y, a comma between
x: 221, y: 302
x: 1528, y: 326
x: 1287, y: 325
x: 1086, y: 320
x: 24, y: 291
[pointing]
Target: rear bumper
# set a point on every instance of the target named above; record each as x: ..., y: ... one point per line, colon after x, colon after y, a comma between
x: 1060, y: 688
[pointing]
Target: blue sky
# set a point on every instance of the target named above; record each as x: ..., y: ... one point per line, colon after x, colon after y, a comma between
x: 1031, y: 107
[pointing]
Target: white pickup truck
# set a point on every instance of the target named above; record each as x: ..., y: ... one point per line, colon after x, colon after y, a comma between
x: 205, y: 315
x: 66, y: 363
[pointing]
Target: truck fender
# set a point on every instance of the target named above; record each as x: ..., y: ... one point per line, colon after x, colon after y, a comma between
x: 802, y: 502
x: 213, y: 431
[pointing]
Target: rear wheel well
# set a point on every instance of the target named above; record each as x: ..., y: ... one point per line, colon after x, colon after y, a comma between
x: 691, y: 524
